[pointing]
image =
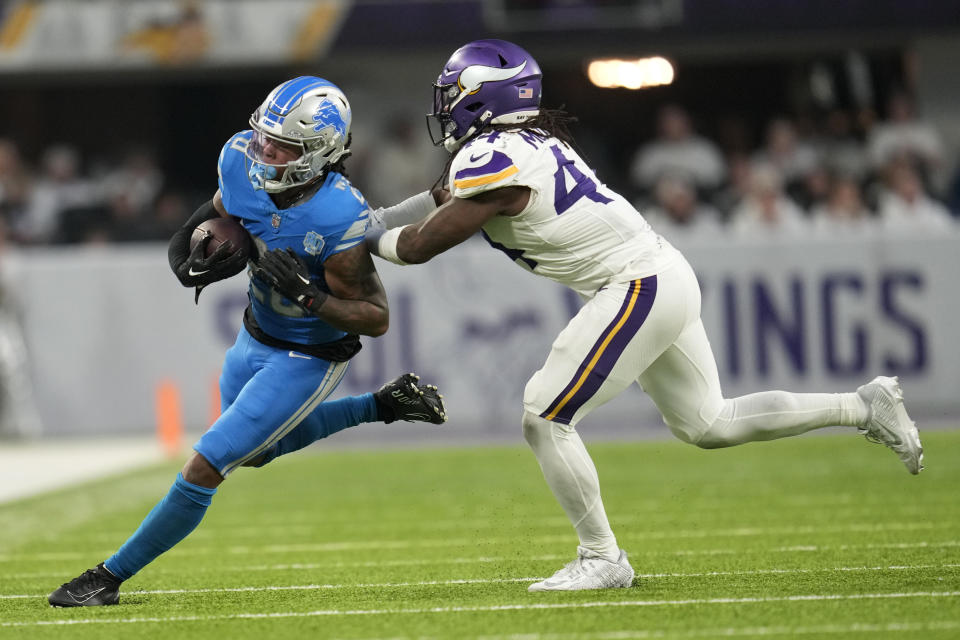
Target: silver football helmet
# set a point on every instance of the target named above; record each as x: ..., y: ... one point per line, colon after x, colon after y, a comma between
x: 309, y: 113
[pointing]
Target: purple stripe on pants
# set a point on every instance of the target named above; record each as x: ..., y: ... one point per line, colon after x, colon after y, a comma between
x: 635, y: 317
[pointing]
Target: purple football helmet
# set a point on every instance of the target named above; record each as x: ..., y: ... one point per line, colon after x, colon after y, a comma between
x: 484, y: 82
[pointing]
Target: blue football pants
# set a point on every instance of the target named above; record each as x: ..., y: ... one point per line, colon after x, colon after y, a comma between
x: 267, y: 395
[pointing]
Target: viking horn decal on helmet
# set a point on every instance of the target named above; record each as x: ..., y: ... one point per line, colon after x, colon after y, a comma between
x: 475, y: 75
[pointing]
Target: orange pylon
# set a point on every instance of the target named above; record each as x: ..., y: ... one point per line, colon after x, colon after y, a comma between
x: 169, y: 417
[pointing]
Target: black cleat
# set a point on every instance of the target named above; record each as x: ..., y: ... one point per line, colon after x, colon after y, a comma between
x: 404, y: 399
x: 93, y: 588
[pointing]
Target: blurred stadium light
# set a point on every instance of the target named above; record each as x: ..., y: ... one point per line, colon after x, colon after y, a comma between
x: 631, y: 74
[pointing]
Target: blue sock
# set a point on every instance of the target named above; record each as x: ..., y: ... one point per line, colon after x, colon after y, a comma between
x: 168, y: 523
x: 326, y: 420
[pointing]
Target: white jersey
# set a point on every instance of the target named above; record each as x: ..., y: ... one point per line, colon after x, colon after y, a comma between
x: 574, y: 230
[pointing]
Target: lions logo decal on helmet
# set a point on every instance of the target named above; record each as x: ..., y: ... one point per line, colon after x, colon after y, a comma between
x: 328, y: 115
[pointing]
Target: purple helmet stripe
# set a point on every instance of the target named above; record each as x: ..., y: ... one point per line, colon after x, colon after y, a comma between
x: 601, y: 358
x: 497, y: 163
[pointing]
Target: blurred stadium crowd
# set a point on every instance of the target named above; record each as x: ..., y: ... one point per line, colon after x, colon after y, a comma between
x: 842, y: 173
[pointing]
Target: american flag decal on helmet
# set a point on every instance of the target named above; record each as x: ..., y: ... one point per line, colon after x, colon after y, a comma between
x: 526, y: 92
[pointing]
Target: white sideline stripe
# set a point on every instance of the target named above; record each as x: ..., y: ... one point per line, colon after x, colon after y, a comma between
x: 402, y: 544
x: 492, y: 608
x: 722, y: 632
x: 309, y: 587
x: 383, y: 585
x: 346, y: 546
x: 297, y: 566
x: 655, y: 506
x: 855, y: 527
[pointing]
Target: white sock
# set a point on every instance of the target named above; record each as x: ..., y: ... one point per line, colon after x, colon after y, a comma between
x: 572, y: 477
x: 777, y: 414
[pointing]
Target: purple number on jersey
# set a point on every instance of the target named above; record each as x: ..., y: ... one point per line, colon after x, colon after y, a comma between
x: 583, y: 185
x: 514, y: 254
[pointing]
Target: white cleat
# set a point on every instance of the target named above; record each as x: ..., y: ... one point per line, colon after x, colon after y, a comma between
x: 889, y: 423
x: 588, y: 571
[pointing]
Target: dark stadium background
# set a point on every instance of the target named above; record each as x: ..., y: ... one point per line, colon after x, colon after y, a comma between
x: 736, y: 58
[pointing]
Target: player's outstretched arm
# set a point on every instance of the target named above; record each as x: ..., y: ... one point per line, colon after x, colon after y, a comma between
x: 409, y: 211
x: 356, y: 303
x: 448, y: 226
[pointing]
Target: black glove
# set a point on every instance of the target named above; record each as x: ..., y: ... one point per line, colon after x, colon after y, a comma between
x: 199, y: 271
x: 287, y: 273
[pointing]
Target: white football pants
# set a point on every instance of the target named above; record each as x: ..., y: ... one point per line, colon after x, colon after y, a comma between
x: 649, y: 331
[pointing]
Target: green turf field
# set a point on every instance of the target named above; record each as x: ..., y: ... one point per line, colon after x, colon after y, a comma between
x: 819, y: 536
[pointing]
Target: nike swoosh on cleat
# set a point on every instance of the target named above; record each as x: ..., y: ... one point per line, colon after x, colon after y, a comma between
x: 81, y: 598
x: 191, y: 272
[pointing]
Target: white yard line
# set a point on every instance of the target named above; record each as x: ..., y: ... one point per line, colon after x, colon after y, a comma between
x: 375, y: 545
x: 815, y: 597
x: 468, y: 581
x: 218, y: 531
x: 307, y: 587
x: 640, y: 509
x: 719, y: 632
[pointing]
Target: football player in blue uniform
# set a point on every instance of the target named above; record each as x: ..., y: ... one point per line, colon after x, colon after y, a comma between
x: 313, y: 289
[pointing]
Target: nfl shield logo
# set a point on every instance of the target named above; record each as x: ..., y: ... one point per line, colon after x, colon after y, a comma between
x: 275, y: 221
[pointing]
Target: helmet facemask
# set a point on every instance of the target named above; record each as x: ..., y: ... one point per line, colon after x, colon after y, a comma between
x: 441, y: 124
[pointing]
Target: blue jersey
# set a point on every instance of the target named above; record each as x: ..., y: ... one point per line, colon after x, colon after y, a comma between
x: 334, y: 219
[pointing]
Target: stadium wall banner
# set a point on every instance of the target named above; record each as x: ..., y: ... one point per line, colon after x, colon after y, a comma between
x: 111, y: 34
x: 105, y: 326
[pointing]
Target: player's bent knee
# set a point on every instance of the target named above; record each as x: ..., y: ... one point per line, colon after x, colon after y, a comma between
x: 535, y: 429
x: 719, y: 433
x: 715, y: 436
x: 711, y: 440
x: 199, y: 471
x: 691, y: 432
x: 702, y: 426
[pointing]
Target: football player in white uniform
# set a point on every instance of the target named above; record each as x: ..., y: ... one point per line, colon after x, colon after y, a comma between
x: 515, y: 178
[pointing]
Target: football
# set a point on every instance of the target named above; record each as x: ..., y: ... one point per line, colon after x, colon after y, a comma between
x: 222, y: 229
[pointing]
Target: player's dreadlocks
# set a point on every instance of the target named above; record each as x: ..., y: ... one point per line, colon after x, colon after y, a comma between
x: 338, y: 166
x: 553, y: 122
